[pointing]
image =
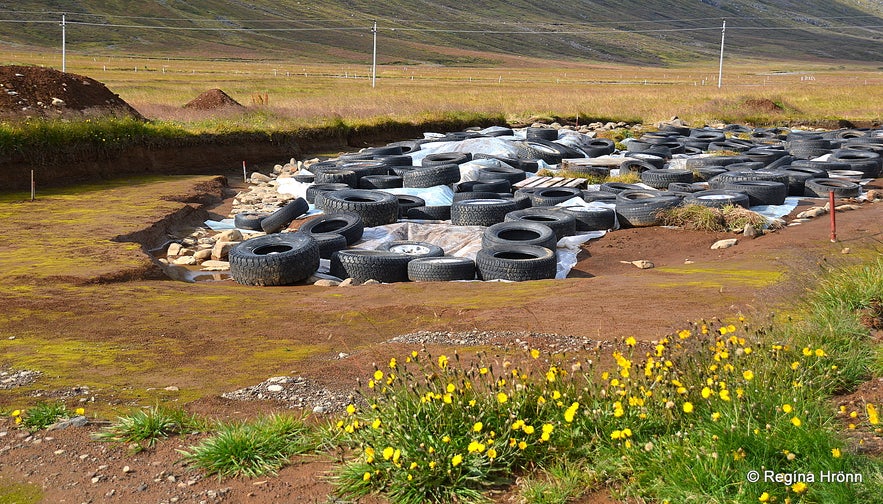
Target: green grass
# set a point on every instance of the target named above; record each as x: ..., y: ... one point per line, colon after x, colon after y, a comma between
x: 42, y: 415
x: 702, y: 218
x: 16, y: 493
x: 144, y: 428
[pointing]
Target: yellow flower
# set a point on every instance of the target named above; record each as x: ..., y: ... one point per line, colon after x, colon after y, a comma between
x: 535, y: 353
x: 413, y: 466
x: 725, y: 395
x: 630, y: 341
x: 517, y: 424
x: 447, y: 398
x: 548, y: 428
x: 366, y: 476
x: 432, y: 464
x: 378, y: 375
x: 873, y: 417
x: 456, y: 460
x: 715, y: 416
x: 388, y: 453
x: 748, y: 374
x: 396, y: 456
x: 551, y: 374
x: 787, y: 408
x: 376, y: 423
x: 502, y: 397
x: 795, y: 365
x: 688, y: 407
x: 807, y: 352
x: 796, y: 422
x: 799, y: 487
x: 80, y: 411
x: 556, y: 395
x: 475, y: 447
x: 764, y: 497
x: 492, y: 454
x: 706, y: 392
x: 477, y: 427
x: 570, y: 412
x: 442, y: 361
x: 684, y: 333
x: 351, y: 409
x: 528, y: 429
x: 617, y: 434
x: 835, y: 452
x: 392, y: 363
x: 731, y: 328
x: 446, y: 439
x: 483, y: 371
x: 819, y: 352
x: 16, y: 413
x: 414, y: 354
x: 522, y: 445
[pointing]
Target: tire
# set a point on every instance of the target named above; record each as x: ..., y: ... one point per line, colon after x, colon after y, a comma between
x: 592, y: 218
x: 808, y: 149
x: 651, y: 159
x: 446, y: 158
x: 480, y: 212
x: 708, y: 135
x: 544, y: 150
x: 441, y: 269
x: 396, y: 160
x: 329, y: 243
x: 362, y: 265
x: 407, y: 146
x: 432, y: 175
x: 365, y: 167
x: 278, y: 259
x: 660, y: 179
x: 717, y: 198
x: 316, y: 189
x: 551, y: 196
x: 817, y: 168
x: 380, y: 182
x: 375, y: 207
x: 820, y: 187
x: 548, y: 134
x: 407, y: 202
x: 599, y: 147
x: 441, y: 212
x: 618, y: 187
x: 304, y: 178
x: 249, y: 220
x: 489, y: 186
x: 761, y: 192
x: 637, y: 166
x: 516, y: 263
x: 730, y: 177
x: 462, y: 196
x: 703, y: 162
x: 561, y: 222
x: 412, y: 248
x: 642, y: 212
x: 796, y: 180
x: 590, y: 196
x: 684, y: 187
x: 867, y: 162
x: 348, y: 225
x: 347, y: 177
x: 519, y: 233
x: 283, y: 217
x: 512, y: 175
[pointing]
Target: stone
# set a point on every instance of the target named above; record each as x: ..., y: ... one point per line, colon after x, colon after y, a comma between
x: 347, y: 282
x: 370, y: 281
x: 275, y: 388
x: 185, y: 261
x: 257, y: 178
x: 222, y: 249
x: 216, y: 266
x: 203, y: 255
x: 174, y: 250
x: 58, y: 102
x: 277, y: 169
x: 640, y: 264
x: 812, y: 213
x: 874, y: 195
x: 324, y: 282
x: 846, y: 250
x: 171, y: 388
x: 843, y: 208
x: 319, y: 409
x: 77, y: 421
x: 722, y: 244
x: 230, y: 235
x: 127, y: 469
x: 750, y: 231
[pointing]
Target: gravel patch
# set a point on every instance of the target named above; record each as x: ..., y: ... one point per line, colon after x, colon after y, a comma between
x: 297, y: 392
x: 22, y: 378
x: 555, y: 343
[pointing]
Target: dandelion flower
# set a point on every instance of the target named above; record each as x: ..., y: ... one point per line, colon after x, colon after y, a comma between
x: 764, y: 497
x: 819, y: 352
x: 630, y: 341
x: 483, y: 371
x: 522, y: 445
x: 376, y: 423
x: 351, y: 409
x: 807, y: 352
x: 796, y: 422
x: 477, y: 427
x: 388, y: 453
x: 548, y: 428
x: 492, y: 454
x: 748, y: 375
x: 787, y: 408
x: 456, y: 460
x: 446, y: 439
x: 835, y: 452
x: 799, y: 487
x: 442, y: 361
x: 688, y: 407
x: 16, y: 413
x: 502, y: 397
x: 528, y: 429
x: 535, y: 353
x: 366, y: 476
x: 706, y: 392
x: 432, y: 464
x: 378, y: 375
x: 873, y: 417
x: 392, y: 363
x: 715, y: 416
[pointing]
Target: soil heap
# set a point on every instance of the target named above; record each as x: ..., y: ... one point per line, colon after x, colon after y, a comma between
x: 30, y: 91
x: 212, y: 99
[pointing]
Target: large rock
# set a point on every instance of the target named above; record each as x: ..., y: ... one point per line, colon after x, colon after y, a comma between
x: 222, y: 249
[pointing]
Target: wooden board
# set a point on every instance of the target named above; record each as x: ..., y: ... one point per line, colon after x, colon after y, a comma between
x: 537, y: 182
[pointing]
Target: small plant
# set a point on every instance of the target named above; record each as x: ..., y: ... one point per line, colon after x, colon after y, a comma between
x: 42, y: 415
x: 144, y: 428
x: 251, y: 449
x: 737, y: 217
x: 695, y: 217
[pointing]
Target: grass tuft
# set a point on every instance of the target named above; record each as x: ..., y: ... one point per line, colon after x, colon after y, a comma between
x: 144, y: 428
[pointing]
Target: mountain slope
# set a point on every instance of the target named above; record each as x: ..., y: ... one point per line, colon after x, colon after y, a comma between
x: 654, y: 32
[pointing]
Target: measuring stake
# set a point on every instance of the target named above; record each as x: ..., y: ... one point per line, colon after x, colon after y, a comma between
x: 833, y: 219
x: 244, y: 176
x: 33, y: 187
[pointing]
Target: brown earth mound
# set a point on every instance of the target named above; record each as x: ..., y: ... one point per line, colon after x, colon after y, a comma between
x: 763, y: 105
x: 212, y: 99
x: 30, y: 91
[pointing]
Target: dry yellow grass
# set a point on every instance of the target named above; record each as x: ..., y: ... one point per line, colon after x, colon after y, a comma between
x: 305, y: 95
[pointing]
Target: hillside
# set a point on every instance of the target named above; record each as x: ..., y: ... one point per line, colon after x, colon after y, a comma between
x: 657, y: 32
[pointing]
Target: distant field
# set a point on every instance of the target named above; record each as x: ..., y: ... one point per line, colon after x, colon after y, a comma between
x: 301, y: 95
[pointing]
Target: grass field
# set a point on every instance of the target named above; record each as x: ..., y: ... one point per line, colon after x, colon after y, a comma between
x: 300, y: 95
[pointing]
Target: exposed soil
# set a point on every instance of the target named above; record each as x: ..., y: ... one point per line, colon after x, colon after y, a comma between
x: 211, y: 100
x: 175, y: 343
x: 30, y: 91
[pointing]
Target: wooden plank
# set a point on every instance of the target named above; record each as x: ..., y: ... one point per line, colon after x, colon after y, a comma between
x: 539, y: 182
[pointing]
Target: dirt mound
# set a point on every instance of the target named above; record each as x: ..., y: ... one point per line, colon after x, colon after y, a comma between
x: 212, y: 99
x: 30, y: 91
x: 763, y: 105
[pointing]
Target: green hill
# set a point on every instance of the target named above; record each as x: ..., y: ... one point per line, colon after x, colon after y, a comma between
x: 655, y: 32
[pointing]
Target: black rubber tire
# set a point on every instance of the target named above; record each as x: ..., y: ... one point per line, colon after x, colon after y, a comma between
x: 277, y: 259
x: 660, y: 179
x: 249, y: 220
x: 808, y: 149
x: 441, y: 269
x: 796, y: 180
x: 516, y: 263
x: 396, y: 160
x: 375, y: 207
x: 637, y: 166
x: 380, y: 182
x: 347, y: 177
x: 365, y: 167
x: 684, y: 187
x: 761, y: 192
x: 618, y: 187
x: 651, y: 159
x: 400, y: 170
x: 592, y: 218
x: 439, y: 212
x: 549, y: 152
x: 820, y: 187
x: 561, y: 222
x: 747, y: 166
x: 590, y: 196
x: 551, y: 196
x: 644, y: 211
x: 316, y: 189
x: 348, y: 225
x: 446, y: 158
x: 496, y: 185
x: 480, y: 212
x: 283, y: 217
x: 432, y: 175
x: 707, y: 135
x: 512, y: 175
x: 407, y: 202
x: 362, y: 265
x: 599, y: 147
x: 867, y: 162
x: 519, y: 233
x: 730, y: 177
x: 304, y: 178
x: 407, y: 146
x: 541, y: 134
x: 461, y: 196
x: 694, y: 163
x: 414, y: 249
x: 717, y: 198
x: 329, y: 243
x: 817, y: 168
